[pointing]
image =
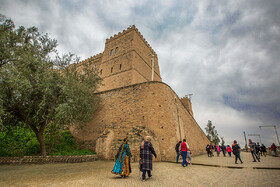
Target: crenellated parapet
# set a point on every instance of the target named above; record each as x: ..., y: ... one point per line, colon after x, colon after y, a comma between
x: 93, y: 59
x: 133, y: 27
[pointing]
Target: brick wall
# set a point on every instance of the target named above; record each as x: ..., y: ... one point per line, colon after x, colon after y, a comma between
x: 150, y: 108
x: 125, y: 60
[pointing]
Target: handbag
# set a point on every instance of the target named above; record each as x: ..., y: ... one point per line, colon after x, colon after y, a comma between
x: 140, y: 165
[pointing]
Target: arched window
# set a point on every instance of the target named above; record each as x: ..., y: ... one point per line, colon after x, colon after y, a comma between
x: 112, y: 52
x: 116, y: 50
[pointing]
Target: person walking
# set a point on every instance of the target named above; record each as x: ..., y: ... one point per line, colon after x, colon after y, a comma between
x: 263, y: 150
x: 236, y: 151
x: 122, y: 166
x: 223, y: 147
x: 212, y: 149
x: 184, y: 150
x: 252, y: 146
x: 258, y: 149
x: 178, y: 151
x: 273, y: 149
x: 208, y: 150
x: 189, y: 157
x: 229, y: 151
x: 146, y: 154
x: 218, y: 150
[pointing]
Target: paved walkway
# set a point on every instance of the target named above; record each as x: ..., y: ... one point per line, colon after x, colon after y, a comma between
x: 164, y: 174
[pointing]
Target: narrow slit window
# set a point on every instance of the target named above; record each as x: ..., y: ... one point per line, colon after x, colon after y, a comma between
x: 101, y: 72
x: 111, y: 69
x: 120, y: 66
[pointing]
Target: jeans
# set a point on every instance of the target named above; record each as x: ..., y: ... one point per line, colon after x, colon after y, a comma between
x: 144, y: 174
x: 178, y: 155
x: 254, y: 154
x: 184, y: 153
x: 237, y: 156
x: 229, y: 153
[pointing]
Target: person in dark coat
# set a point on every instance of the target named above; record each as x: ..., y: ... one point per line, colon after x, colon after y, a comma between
x: 146, y: 154
x: 178, y: 151
x: 208, y: 149
x: 236, y: 151
x: 263, y: 150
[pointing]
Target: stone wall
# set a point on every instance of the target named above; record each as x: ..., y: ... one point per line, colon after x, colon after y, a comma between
x: 47, y: 159
x: 150, y: 108
x: 126, y: 60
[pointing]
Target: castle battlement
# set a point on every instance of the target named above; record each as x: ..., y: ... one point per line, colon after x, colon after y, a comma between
x: 125, y: 60
x: 93, y: 57
x: 133, y: 27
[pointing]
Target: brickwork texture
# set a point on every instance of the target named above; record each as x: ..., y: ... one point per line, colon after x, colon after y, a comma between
x: 133, y: 105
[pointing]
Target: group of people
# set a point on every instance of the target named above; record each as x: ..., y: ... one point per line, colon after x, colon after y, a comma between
x: 183, y: 149
x: 256, y: 150
x: 218, y: 148
x: 235, y: 149
x: 122, y: 166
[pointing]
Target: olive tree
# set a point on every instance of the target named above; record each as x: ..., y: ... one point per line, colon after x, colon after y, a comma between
x: 38, y: 87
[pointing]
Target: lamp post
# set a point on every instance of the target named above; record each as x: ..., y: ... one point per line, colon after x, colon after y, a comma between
x: 256, y: 135
x: 274, y: 129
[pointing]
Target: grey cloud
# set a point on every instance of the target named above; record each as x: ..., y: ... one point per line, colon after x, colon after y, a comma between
x: 224, y: 52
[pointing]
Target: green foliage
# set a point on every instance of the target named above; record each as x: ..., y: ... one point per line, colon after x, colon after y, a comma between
x: 211, y: 133
x: 18, y: 141
x: 40, y: 88
x: 23, y: 142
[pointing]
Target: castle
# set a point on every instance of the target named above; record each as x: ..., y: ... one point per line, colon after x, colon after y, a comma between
x: 135, y: 103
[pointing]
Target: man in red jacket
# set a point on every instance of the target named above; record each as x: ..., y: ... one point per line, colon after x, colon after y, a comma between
x: 184, y: 150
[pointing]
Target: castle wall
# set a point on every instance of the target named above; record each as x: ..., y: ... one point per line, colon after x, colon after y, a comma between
x: 144, y: 51
x: 150, y: 108
x: 187, y: 104
x: 125, y: 60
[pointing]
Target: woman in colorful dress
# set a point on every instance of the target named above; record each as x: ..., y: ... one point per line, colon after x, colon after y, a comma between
x: 122, y: 166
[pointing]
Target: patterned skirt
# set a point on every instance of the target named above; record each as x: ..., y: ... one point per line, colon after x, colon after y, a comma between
x: 125, y: 170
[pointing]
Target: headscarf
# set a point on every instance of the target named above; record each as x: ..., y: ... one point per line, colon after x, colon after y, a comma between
x: 124, y: 142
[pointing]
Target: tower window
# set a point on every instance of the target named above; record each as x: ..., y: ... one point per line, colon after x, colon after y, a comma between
x: 120, y: 66
x: 101, y: 72
x: 112, y: 52
x: 117, y: 49
x: 111, y: 69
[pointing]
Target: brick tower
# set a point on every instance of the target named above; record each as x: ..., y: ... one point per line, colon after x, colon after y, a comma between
x: 127, y: 59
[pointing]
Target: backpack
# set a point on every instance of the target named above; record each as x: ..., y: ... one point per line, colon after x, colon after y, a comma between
x: 177, y: 147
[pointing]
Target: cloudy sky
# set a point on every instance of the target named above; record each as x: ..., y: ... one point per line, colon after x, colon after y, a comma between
x: 225, y: 53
